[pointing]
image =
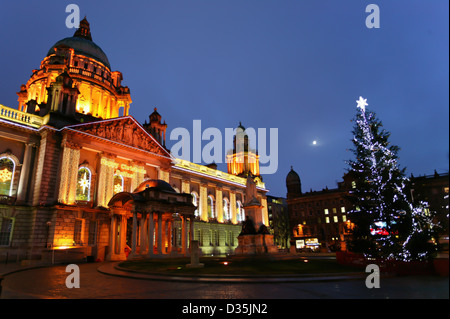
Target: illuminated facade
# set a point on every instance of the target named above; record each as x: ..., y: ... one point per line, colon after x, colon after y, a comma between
x: 318, y: 219
x: 101, y: 93
x: 79, y: 174
x: 242, y: 160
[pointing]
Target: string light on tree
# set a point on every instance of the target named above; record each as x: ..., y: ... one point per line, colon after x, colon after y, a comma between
x: 387, y: 225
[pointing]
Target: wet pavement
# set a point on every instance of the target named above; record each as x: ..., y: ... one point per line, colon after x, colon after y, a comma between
x: 50, y: 282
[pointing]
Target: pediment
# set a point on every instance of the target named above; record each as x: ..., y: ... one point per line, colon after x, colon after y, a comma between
x: 124, y: 130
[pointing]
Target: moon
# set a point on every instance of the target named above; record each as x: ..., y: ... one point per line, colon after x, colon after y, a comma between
x: 314, y: 142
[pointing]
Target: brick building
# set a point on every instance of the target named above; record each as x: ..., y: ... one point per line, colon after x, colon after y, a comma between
x: 318, y: 219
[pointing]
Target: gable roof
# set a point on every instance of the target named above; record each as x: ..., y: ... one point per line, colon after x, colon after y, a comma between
x: 124, y: 130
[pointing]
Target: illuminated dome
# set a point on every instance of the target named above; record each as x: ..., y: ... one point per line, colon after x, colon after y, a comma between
x: 82, y: 44
x: 100, y: 90
x: 83, y: 47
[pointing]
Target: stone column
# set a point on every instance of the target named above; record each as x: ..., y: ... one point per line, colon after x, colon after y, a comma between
x: 185, y: 186
x: 150, y: 233
x: 123, y: 234
x: 219, y: 205
x: 159, y: 233
x: 164, y: 236
x: 69, y: 173
x: 143, y: 234
x: 112, y: 234
x: 24, y: 174
x: 191, y: 231
x: 73, y: 176
x: 233, y: 207
x: 169, y: 236
x: 203, y: 202
x: 183, y: 235
x: 134, y: 234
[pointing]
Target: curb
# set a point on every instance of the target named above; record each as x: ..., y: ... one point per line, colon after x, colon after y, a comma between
x: 114, y: 270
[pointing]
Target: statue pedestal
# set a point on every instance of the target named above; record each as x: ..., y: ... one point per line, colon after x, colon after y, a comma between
x: 258, y: 244
x: 255, y: 238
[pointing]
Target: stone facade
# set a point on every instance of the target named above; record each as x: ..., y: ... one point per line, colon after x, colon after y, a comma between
x: 66, y: 152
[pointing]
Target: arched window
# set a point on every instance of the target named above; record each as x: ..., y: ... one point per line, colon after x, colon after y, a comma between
x: 226, y: 210
x: 118, y: 184
x: 211, y: 213
x: 195, y: 202
x: 7, y: 169
x: 239, y: 212
x: 84, y: 184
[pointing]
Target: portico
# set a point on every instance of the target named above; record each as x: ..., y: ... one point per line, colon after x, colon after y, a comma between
x: 153, y: 207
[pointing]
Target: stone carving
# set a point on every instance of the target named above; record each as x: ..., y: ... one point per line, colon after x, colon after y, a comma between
x: 123, y: 131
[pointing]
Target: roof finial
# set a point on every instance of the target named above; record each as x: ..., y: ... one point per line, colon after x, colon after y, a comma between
x: 83, y: 31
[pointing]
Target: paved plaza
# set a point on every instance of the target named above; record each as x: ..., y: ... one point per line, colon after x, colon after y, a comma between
x: 49, y: 282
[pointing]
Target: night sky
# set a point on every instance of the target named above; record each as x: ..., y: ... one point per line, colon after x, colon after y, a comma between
x: 298, y: 66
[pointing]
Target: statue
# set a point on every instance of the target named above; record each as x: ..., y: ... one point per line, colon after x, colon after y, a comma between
x: 248, y: 227
x: 250, y: 193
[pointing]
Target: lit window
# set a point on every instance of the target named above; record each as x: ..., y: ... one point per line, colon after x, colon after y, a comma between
x: 239, y: 212
x: 326, y: 211
x: 226, y: 210
x: 335, y: 219
x: 7, y: 168
x: 327, y: 220
x: 344, y: 218
x: 118, y: 184
x: 342, y: 209
x: 84, y: 184
x: 195, y: 202
x: 353, y: 184
x: 211, y: 207
x: 334, y: 210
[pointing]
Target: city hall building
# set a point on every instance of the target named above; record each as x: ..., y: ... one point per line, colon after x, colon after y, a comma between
x: 79, y: 180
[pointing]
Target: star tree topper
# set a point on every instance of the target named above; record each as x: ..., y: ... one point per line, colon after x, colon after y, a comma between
x: 362, y: 103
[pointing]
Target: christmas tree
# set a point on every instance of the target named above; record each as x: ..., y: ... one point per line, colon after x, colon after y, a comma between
x: 385, y: 223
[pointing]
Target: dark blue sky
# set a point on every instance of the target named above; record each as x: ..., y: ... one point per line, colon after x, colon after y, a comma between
x: 298, y: 66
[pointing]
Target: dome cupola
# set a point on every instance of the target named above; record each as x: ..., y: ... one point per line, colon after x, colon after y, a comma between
x: 293, y: 184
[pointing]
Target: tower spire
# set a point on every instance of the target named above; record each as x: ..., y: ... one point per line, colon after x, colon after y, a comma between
x: 84, y: 30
